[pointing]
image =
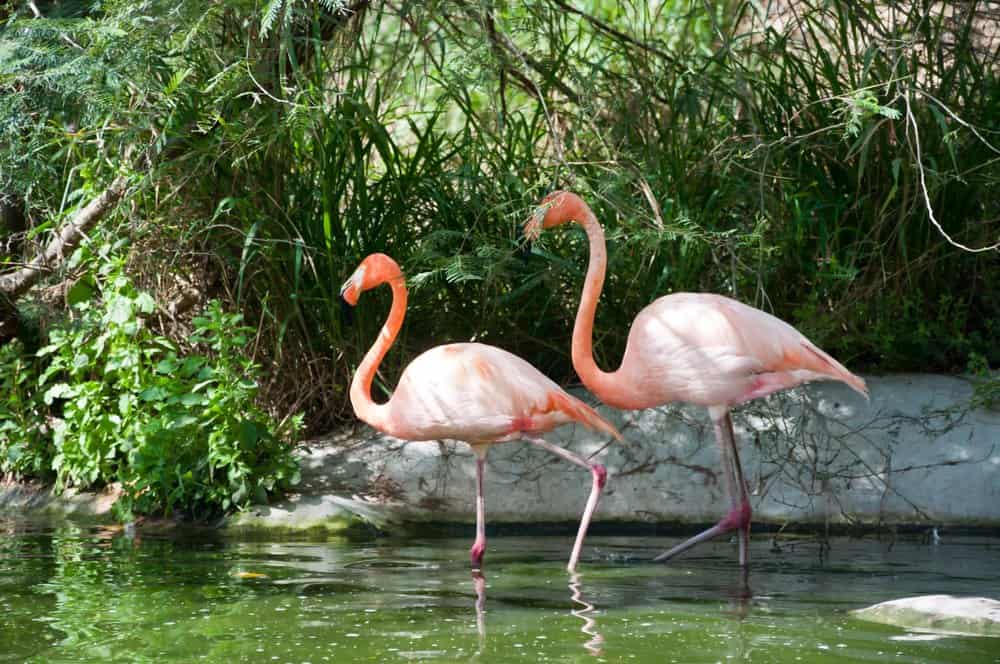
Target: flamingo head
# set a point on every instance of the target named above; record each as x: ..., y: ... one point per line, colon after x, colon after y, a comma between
x: 374, y: 270
x: 556, y: 208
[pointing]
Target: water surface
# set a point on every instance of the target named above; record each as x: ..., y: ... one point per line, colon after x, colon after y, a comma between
x: 75, y: 594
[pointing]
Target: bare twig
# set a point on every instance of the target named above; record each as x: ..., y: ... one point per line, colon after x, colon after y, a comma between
x: 959, y: 120
x: 617, y: 34
x: 923, y: 188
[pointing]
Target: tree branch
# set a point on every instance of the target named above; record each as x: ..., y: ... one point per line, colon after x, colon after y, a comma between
x: 15, y: 284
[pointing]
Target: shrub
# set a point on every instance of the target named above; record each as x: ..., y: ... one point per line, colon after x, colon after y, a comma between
x: 25, y: 441
x: 177, y: 430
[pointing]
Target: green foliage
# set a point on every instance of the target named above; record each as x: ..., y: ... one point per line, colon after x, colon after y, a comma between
x: 25, y: 447
x: 986, y: 388
x: 177, y: 430
x: 860, y: 108
x: 770, y: 158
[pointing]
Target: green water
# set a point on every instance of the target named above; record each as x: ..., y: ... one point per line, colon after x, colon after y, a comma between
x: 72, y: 594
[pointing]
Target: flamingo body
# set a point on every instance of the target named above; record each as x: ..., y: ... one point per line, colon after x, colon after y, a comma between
x: 710, y: 350
x: 480, y: 394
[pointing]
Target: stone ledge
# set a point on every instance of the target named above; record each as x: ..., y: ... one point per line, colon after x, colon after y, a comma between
x: 317, y: 516
x: 41, y: 499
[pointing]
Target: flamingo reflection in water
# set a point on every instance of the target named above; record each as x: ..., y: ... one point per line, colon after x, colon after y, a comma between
x: 596, y: 643
x: 479, y: 584
x: 585, y: 612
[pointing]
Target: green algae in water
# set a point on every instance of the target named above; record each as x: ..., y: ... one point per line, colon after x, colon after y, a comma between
x: 71, y: 594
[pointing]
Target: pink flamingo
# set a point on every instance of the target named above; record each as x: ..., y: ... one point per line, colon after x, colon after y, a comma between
x: 471, y: 392
x: 700, y: 348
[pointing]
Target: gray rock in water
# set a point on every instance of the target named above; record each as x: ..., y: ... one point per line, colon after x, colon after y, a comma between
x: 947, y: 614
x: 331, y: 515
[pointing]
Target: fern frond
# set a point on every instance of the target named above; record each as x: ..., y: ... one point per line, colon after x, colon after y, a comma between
x: 333, y: 6
x: 271, y: 12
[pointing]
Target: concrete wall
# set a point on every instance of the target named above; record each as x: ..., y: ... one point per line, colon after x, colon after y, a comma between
x: 915, y: 454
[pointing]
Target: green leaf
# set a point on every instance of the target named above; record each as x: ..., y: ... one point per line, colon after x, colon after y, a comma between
x: 81, y: 361
x: 166, y: 366
x: 155, y: 393
x: 248, y: 433
x: 119, y: 310
x: 145, y: 303
x: 240, y: 494
x: 81, y: 291
x: 182, y: 422
x: 48, y: 350
x: 192, y: 399
x: 57, y: 391
x: 124, y: 403
x: 176, y: 80
x: 192, y: 365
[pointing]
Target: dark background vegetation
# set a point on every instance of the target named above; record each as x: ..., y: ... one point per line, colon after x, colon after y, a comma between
x: 833, y: 163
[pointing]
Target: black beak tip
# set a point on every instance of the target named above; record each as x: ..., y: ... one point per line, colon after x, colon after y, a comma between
x: 525, y: 251
x: 346, y: 311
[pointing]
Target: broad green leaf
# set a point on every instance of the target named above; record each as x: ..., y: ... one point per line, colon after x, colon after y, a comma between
x: 155, y: 393
x: 145, y: 303
x: 119, y: 310
x: 57, y: 391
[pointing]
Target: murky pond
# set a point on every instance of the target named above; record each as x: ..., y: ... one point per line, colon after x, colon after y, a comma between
x: 77, y: 594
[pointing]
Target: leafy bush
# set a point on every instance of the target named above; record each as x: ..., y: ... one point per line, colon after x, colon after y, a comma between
x: 177, y: 430
x: 25, y: 442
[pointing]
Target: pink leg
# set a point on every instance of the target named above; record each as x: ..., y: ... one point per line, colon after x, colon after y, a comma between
x: 743, y: 505
x: 479, y: 546
x: 600, y: 477
x: 739, y: 514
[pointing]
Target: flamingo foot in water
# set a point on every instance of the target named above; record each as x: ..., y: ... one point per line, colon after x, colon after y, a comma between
x: 476, y: 553
x: 738, y: 518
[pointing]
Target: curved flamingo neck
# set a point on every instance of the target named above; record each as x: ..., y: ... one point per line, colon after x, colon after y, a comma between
x: 599, y: 382
x: 377, y: 415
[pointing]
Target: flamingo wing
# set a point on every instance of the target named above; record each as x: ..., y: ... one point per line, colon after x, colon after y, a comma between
x: 711, y: 350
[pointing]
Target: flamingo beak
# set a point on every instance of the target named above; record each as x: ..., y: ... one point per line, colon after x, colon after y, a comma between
x: 531, y: 233
x: 348, y: 298
x: 352, y: 288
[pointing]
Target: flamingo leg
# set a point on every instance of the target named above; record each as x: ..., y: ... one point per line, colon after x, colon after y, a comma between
x: 738, y: 517
x: 742, y: 506
x: 479, y: 546
x: 600, y: 478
